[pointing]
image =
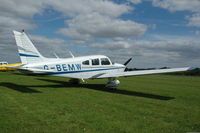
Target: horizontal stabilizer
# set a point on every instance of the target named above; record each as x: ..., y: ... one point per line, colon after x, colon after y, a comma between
x: 30, y: 69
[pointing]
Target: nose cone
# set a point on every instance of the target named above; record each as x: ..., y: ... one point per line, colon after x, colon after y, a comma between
x: 120, y: 65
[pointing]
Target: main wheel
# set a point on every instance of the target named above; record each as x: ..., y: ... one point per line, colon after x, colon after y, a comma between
x: 112, y: 83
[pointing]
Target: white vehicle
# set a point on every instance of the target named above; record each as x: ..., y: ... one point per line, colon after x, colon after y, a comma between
x: 79, y: 68
x: 3, y: 63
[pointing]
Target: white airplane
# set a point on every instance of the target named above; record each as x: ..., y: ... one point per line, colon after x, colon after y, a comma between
x: 76, y: 68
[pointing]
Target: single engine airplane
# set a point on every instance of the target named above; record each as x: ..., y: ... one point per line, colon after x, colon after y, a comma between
x: 76, y: 68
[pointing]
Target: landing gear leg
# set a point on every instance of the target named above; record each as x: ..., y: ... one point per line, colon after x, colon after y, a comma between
x: 112, y: 83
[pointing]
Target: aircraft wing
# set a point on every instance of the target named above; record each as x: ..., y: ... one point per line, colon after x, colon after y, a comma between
x: 144, y: 72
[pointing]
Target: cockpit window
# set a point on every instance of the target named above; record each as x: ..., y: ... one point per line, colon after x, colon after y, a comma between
x: 95, y: 61
x: 86, y: 62
x: 105, y: 61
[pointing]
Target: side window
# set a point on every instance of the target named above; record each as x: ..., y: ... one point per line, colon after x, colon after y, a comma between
x: 86, y: 62
x: 95, y: 61
x: 105, y: 61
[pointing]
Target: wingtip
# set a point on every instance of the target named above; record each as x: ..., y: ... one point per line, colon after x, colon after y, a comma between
x: 16, y: 32
x: 192, y: 68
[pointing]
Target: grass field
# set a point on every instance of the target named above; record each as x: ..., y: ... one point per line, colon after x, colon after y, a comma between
x: 142, y: 104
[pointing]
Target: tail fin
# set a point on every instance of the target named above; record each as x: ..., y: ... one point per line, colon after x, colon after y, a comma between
x: 27, y: 51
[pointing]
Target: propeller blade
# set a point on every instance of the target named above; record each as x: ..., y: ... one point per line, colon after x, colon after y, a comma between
x: 126, y: 63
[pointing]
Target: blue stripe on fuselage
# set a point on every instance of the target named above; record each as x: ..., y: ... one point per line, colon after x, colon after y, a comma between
x: 53, y: 73
x: 28, y: 55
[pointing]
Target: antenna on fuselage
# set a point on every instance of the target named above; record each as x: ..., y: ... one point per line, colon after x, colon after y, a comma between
x: 56, y: 55
x: 71, y: 54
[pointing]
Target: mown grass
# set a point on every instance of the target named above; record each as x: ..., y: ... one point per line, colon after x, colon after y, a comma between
x: 143, y: 104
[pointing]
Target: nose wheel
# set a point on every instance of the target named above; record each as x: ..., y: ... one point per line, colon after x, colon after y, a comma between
x: 112, y: 83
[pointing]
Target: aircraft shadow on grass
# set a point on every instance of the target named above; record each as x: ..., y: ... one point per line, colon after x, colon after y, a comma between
x: 20, y: 88
x: 98, y: 87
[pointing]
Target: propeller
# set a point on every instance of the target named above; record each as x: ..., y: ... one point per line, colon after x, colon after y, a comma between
x: 126, y: 63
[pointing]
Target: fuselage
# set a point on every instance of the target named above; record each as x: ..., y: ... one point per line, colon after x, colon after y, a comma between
x: 84, y: 67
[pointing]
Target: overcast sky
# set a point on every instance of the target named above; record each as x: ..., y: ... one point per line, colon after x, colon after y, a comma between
x: 155, y: 33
